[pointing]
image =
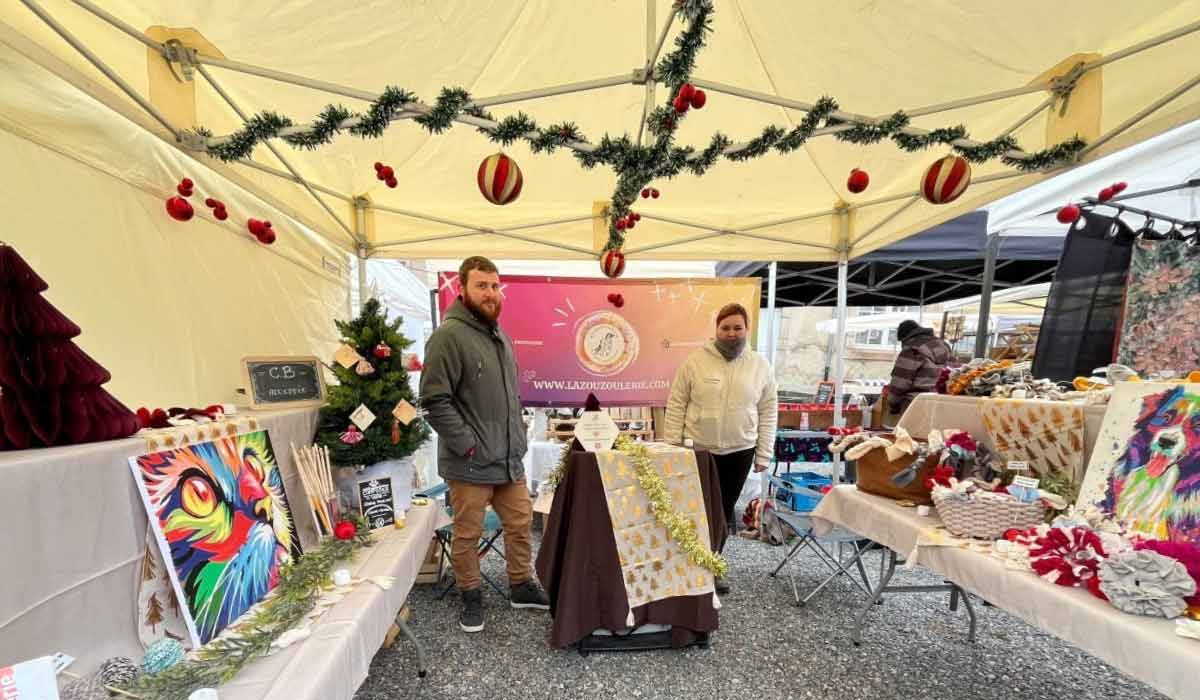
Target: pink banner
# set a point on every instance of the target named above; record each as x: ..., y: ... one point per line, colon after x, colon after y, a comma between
x: 571, y: 340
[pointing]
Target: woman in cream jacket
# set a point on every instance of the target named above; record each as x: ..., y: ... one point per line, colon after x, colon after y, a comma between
x: 724, y: 399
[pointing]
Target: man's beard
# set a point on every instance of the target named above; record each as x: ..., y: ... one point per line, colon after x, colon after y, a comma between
x: 482, y: 312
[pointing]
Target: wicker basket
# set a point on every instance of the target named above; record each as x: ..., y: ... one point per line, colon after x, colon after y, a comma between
x: 986, y: 515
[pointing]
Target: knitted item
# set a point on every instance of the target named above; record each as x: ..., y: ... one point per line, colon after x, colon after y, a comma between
x: 1067, y: 557
x: 1182, y: 552
x: 162, y: 655
x: 1143, y: 582
x: 84, y: 689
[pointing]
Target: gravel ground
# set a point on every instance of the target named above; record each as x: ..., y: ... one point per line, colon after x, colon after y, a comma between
x: 766, y: 648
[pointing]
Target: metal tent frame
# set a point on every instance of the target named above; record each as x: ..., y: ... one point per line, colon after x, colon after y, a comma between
x: 351, y: 236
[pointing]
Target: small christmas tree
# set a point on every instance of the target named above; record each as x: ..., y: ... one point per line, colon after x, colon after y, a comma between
x: 379, y: 381
x: 49, y: 389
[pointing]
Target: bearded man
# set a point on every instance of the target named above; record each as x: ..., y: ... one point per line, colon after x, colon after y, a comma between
x: 469, y: 393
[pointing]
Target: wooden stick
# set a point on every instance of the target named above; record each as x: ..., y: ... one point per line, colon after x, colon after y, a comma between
x: 315, y: 502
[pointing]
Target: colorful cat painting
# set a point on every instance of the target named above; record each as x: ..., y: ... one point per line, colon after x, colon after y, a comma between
x: 1154, y: 485
x: 222, y: 521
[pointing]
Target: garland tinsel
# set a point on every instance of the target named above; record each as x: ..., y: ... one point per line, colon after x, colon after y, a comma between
x: 300, y: 584
x: 635, y: 166
x: 680, y: 529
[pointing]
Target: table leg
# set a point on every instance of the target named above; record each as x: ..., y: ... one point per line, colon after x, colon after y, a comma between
x: 404, y: 629
x: 884, y: 578
x: 966, y: 598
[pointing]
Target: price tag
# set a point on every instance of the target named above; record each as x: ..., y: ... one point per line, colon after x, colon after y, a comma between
x: 596, y: 431
x: 362, y: 417
x: 1018, y: 466
x: 1026, y: 481
x: 405, y: 412
x: 347, y: 356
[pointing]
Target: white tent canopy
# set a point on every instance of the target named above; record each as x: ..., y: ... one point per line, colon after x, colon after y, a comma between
x: 984, y: 65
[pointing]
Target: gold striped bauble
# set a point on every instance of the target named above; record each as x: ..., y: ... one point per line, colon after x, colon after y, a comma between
x: 499, y: 179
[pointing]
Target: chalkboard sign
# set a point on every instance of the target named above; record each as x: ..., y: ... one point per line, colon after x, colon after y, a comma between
x: 375, y: 498
x: 283, y: 381
x: 824, y: 393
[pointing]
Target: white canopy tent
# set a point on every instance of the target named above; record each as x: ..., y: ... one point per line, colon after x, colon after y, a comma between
x: 100, y: 87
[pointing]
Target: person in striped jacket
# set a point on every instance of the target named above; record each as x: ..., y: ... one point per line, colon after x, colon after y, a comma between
x: 922, y: 357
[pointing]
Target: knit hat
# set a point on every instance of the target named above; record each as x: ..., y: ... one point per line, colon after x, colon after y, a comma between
x: 906, y: 329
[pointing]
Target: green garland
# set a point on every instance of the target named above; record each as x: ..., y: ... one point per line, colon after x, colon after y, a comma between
x: 636, y: 166
x: 300, y: 584
x: 681, y: 529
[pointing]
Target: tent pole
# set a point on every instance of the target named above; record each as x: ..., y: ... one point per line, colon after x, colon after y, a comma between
x: 360, y: 235
x: 772, y: 281
x: 292, y: 178
x: 652, y: 50
x: 101, y: 66
x: 1152, y: 108
x: 985, y: 296
x: 282, y: 159
x: 839, y: 356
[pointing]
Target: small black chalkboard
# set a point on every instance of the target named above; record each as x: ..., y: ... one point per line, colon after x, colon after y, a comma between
x: 375, y: 498
x: 283, y: 381
x: 824, y: 393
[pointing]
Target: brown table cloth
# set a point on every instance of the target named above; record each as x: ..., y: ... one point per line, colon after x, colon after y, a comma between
x: 578, y: 566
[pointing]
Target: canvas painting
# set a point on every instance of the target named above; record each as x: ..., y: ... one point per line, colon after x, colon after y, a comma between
x: 1145, y: 469
x: 1162, y: 317
x: 221, y: 519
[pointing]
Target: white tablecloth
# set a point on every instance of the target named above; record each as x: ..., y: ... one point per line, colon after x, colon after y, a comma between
x: 1144, y: 648
x: 942, y: 411
x: 335, y: 660
x: 72, y: 534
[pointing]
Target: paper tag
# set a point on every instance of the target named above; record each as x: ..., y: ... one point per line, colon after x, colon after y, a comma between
x: 347, y: 356
x: 362, y: 417
x: 405, y: 412
x: 596, y: 431
x: 1026, y: 481
x: 1018, y: 466
x: 62, y: 661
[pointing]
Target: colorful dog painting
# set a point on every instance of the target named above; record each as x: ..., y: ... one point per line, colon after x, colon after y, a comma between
x: 1153, y: 484
x: 222, y: 521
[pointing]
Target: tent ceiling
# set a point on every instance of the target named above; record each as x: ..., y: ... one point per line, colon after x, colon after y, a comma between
x: 872, y: 57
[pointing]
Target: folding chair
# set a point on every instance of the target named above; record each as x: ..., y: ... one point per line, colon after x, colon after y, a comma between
x: 794, y: 501
x: 492, y: 530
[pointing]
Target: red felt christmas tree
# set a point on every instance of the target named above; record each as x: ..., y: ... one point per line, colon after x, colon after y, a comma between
x: 50, y: 390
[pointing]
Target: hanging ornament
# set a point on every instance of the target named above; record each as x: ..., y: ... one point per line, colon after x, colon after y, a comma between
x: 858, y: 181
x: 382, y: 351
x: 352, y: 436
x: 1119, y: 187
x: 499, y: 179
x: 946, y: 180
x: 345, y: 530
x: 653, y: 193
x: 698, y: 99
x: 395, y: 432
x: 630, y: 222
x: 1106, y: 194
x: 385, y: 174
x: 220, y: 213
x: 620, y: 224
x: 1068, y: 214
x: 681, y: 105
x: 686, y: 91
x: 364, y: 368
x: 412, y: 363
x: 184, y: 188
x: 261, y: 230
x: 616, y: 300
x: 179, y: 209
x: 612, y: 263
x: 645, y: 193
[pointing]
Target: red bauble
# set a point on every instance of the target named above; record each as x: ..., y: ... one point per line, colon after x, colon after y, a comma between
x: 636, y: 216
x: 630, y: 222
x: 256, y: 227
x: 686, y: 91
x: 220, y: 213
x: 618, y: 300
x: 1119, y: 187
x: 391, y: 182
x: 698, y: 99
x: 945, y: 180
x: 385, y: 173
x: 1106, y: 194
x: 620, y: 224
x: 186, y: 183
x: 268, y: 237
x: 183, y: 191
x: 210, y: 202
x: 858, y: 181
x: 499, y: 179
x: 378, y: 166
x: 612, y: 263
x: 382, y: 351
x: 645, y: 193
x: 681, y: 105
x: 653, y: 193
x: 345, y: 530
x: 179, y: 209
x: 1068, y: 214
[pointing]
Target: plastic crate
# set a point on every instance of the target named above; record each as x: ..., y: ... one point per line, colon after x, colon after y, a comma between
x: 795, y: 490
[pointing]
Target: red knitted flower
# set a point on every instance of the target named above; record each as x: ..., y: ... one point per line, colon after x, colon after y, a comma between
x: 963, y: 440
x: 1067, y: 556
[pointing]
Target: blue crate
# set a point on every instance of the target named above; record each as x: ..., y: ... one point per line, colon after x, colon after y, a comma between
x: 800, y: 501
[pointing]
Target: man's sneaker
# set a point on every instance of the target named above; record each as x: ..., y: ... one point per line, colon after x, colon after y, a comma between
x: 528, y: 595
x: 722, y: 586
x: 472, y: 612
